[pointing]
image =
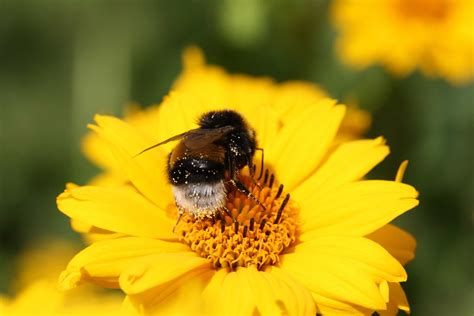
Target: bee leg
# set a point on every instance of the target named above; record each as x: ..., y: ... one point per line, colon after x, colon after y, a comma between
x: 177, y: 221
x: 228, y: 212
x: 255, y: 182
x: 252, y: 172
x: 242, y: 188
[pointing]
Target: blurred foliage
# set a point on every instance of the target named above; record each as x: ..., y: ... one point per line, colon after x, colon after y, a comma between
x: 63, y: 61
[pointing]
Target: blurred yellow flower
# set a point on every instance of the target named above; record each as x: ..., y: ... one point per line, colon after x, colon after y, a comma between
x: 324, y: 252
x: 212, y: 85
x: 435, y: 36
x: 55, y: 252
x: 36, y: 290
x: 42, y: 298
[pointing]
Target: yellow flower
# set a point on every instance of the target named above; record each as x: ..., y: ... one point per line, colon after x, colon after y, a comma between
x: 435, y: 36
x: 323, y: 245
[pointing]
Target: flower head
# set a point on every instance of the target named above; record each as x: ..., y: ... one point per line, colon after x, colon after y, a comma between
x: 321, y: 243
x: 434, y: 36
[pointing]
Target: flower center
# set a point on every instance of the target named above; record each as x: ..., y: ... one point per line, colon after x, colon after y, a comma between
x: 425, y: 10
x: 253, y: 235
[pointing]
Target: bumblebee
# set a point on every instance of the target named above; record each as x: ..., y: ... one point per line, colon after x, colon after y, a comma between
x: 207, y: 161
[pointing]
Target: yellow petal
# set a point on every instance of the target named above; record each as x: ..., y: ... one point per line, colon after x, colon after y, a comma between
x: 383, y: 288
x: 355, y: 123
x: 344, y: 268
x: 265, y: 122
x: 181, y: 296
x: 108, y: 178
x: 356, y: 208
x: 228, y: 294
x: 401, y: 171
x: 192, y: 58
x: 398, y: 242
x: 328, y: 306
x: 147, y: 171
x: 103, y: 262
x: 121, y: 210
x: 293, y: 97
x: 96, y: 150
x: 160, y: 269
x: 91, y: 233
x: 296, y: 298
x: 302, y: 143
x: 367, y: 255
x: 350, y: 161
x: 398, y: 301
x: 80, y: 227
x: 179, y: 113
x: 248, y: 291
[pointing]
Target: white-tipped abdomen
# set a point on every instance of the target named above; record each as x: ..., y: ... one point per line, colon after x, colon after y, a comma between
x: 200, y: 199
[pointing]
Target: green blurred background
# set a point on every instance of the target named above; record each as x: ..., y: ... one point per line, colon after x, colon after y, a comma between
x: 63, y: 61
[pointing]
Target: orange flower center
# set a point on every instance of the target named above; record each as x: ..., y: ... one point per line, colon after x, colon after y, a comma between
x: 427, y: 11
x: 253, y: 235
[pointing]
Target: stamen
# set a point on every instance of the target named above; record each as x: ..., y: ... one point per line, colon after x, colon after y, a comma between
x: 282, y: 206
x: 244, y: 233
x: 222, y: 226
x: 236, y: 227
x: 252, y: 222
x: 262, y: 224
x: 272, y: 178
x: 280, y: 190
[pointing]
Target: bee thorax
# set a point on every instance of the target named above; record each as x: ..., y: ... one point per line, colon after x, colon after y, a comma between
x: 200, y: 199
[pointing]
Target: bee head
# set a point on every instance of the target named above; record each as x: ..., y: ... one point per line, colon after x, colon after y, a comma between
x: 216, y: 119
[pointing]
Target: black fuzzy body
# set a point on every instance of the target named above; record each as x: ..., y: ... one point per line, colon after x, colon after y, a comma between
x: 221, y: 159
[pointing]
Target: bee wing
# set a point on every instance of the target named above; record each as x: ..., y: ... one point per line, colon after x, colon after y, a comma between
x: 195, y: 138
x: 171, y: 139
x: 202, y: 137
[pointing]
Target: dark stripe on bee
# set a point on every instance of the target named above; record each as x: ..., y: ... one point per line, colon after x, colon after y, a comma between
x: 192, y: 170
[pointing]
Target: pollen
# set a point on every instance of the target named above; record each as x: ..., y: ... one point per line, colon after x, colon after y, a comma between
x: 248, y: 234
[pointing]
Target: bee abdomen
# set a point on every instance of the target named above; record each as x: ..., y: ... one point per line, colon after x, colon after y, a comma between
x: 200, y: 199
x: 192, y: 170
